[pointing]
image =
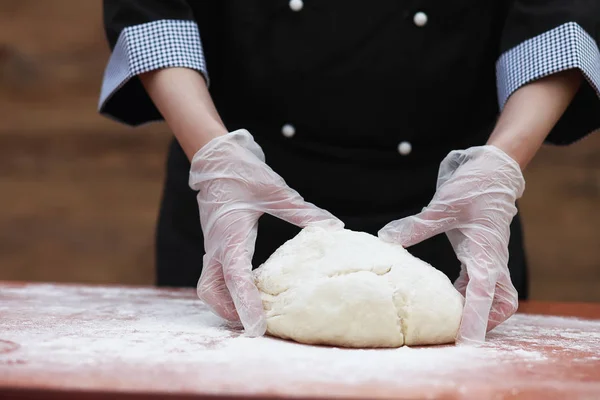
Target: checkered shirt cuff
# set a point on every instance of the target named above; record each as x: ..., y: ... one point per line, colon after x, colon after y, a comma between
x: 564, y: 47
x: 150, y: 46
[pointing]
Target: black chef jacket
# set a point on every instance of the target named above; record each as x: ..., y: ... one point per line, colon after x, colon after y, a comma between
x: 355, y: 103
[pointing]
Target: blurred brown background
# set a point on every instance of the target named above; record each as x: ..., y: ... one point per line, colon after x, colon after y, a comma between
x: 79, y: 193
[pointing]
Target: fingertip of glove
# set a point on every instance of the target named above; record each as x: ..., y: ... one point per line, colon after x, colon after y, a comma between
x: 385, y: 235
x: 334, y: 224
x: 392, y: 236
x: 257, y: 329
x: 392, y: 233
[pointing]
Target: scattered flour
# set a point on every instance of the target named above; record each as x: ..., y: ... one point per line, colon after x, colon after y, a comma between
x: 167, y: 339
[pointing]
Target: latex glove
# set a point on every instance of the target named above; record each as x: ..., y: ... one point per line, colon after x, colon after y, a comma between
x: 474, y: 205
x: 235, y: 188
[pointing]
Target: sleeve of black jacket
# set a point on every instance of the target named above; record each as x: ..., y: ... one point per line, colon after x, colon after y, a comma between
x: 543, y: 37
x: 145, y: 35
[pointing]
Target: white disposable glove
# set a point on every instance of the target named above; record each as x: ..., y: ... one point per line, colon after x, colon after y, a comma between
x: 474, y: 205
x: 235, y: 188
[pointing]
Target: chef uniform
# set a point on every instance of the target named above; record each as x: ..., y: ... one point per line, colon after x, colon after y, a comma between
x: 354, y: 103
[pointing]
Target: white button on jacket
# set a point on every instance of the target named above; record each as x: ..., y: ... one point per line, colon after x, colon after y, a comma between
x: 404, y: 148
x: 288, y: 130
x: 420, y: 19
x: 296, y: 5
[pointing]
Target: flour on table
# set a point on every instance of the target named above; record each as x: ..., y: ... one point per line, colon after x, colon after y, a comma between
x: 165, y: 340
x: 351, y: 289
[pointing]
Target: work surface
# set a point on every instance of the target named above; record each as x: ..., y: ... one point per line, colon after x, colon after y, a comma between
x: 115, y: 341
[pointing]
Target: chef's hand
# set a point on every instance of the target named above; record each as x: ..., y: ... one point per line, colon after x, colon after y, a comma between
x: 474, y: 205
x: 235, y: 188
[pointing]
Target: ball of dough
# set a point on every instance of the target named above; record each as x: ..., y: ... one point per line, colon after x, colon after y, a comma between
x: 351, y: 289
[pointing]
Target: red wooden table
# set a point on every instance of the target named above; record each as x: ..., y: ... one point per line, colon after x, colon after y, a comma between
x: 99, y: 342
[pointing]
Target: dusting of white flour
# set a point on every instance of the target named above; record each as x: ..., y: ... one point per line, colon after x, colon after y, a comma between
x: 68, y: 329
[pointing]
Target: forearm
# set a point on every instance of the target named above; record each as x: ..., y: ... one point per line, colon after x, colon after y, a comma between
x: 181, y: 96
x: 530, y: 114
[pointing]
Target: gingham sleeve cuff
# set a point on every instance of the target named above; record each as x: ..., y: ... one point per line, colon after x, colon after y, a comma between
x: 564, y: 47
x: 142, y: 48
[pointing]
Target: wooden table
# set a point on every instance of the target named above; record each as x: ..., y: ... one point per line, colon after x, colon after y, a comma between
x: 98, y: 342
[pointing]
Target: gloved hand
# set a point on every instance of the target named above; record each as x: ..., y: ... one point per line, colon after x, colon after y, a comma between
x: 235, y: 188
x: 474, y: 205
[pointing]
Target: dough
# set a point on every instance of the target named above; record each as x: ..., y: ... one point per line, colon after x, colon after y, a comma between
x: 351, y: 289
